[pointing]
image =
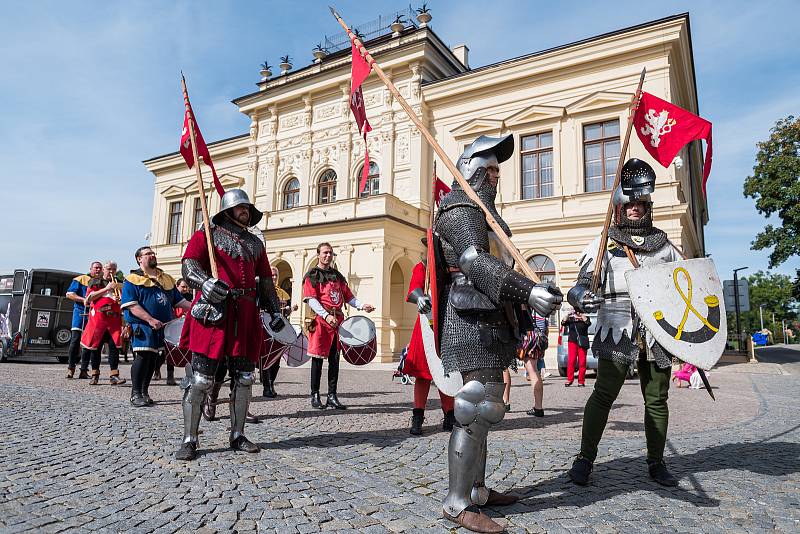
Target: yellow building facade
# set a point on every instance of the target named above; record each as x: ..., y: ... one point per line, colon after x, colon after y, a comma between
x: 566, y: 107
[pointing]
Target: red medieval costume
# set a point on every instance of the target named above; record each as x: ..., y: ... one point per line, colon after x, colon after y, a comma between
x: 105, y: 316
x: 416, y: 364
x: 331, y: 290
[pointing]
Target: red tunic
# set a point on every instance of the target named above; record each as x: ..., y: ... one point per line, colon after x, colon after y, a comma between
x: 242, y: 316
x: 104, y: 316
x: 333, y: 295
x: 416, y: 365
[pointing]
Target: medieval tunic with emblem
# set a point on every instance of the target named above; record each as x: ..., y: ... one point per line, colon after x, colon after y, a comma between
x: 416, y: 364
x: 330, y: 289
x: 158, y: 296
x: 78, y: 287
x: 241, y: 258
x: 618, y: 326
x: 105, y: 316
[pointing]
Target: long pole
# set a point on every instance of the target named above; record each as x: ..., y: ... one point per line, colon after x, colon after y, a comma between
x: 490, y: 220
x: 610, y: 211
x: 736, y: 300
x: 430, y: 220
x: 198, y: 173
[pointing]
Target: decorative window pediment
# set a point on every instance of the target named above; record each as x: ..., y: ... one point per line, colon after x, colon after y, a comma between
x: 599, y: 100
x: 534, y: 113
x: 477, y: 127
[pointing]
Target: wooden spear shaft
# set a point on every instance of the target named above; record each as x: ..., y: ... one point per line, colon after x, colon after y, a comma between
x: 430, y: 225
x: 610, y: 211
x: 498, y: 230
x: 206, y: 224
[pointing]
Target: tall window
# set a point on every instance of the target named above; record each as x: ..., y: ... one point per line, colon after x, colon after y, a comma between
x: 175, y: 211
x: 600, y: 154
x: 326, y: 192
x: 373, y: 180
x: 198, y: 213
x: 544, y: 267
x: 291, y: 194
x: 537, y: 166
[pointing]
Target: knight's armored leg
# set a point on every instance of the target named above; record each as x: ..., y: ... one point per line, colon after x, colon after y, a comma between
x: 655, y: 387
x: 478, y: 405
x: 193, y: 397
x: 240, y: 400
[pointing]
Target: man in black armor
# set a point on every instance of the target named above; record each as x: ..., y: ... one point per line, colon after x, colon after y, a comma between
x: 482, y: 323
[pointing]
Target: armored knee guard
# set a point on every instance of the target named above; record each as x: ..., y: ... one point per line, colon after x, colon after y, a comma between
x: 240, y: 400
x: 193, y: 397
x: 477, y: 407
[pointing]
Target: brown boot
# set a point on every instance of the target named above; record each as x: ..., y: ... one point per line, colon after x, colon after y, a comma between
x: 475, y: 521
x: 115, y: 378
x: 70, y: 373
x: 500, y: 499
x: 210, y: 404
x: 95, y: 377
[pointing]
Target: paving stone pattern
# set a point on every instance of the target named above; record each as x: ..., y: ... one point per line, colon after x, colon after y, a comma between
x: 77, y: 458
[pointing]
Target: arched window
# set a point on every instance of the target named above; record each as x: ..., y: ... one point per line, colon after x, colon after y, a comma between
x: 291, y: 194
x: 373, y: 180
x: 326, y: 190
x: 544, y: 267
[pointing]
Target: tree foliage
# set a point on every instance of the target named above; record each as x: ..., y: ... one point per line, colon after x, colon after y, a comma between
x: 774, y: 292
x: 775, y: 185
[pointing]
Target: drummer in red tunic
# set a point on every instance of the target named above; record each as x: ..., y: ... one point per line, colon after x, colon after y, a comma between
x: 416, y: 364
x: 325, y: 290
x: 224, y: 326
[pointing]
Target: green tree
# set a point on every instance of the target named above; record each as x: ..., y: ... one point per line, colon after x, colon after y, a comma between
x: 773, y: 292
x: 775, y: 185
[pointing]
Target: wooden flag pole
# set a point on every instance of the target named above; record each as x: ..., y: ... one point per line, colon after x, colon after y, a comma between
x: 430, y: 272
x: 206, y: 224
x: 504, y: 239
x: 610, y: 211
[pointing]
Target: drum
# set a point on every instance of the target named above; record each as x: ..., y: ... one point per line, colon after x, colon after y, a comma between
x: 275, y: 344
x: 357, y: 340
x: 297, y: 353
x: 172, y: 336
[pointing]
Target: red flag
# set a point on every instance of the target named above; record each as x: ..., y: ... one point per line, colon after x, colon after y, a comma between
x: 665, y: 129
x: 202, y: 149
x: 441, y: 190
x: 359, y: 71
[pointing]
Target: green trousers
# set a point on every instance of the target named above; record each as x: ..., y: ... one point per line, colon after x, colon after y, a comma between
x: 610, y: 377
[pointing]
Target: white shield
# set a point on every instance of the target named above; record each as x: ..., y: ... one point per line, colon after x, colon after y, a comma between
x: 449, y: 384
x: 681, y: 305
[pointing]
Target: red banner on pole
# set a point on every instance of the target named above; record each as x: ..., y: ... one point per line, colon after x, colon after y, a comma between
x: 665, y: 129
x: 441, y: 190
x: 359, y: 71
x: 202, y: 149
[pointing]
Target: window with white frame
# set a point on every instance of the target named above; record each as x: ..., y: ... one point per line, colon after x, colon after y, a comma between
x: 291, y: 194
x: 600, y: 154
x: 537, y: 165
x: 326, y: 187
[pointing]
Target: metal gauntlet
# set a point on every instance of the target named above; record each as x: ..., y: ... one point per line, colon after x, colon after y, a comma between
x: 584, y: 300
x: 545, y: 298
x: 422, y: 301
x: 193, y: 273
x: 515, y: 288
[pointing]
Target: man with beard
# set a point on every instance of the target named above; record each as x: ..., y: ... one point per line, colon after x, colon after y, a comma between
x: 224, y: 327
x: 104, y: 324
x: 325, y: 290
x: 76, y: 292
x: 621, y: 339
x: 148, y: 298
x: 482, y: 322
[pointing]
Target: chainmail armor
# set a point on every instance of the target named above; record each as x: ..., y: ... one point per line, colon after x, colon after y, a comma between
x: 236, y: 241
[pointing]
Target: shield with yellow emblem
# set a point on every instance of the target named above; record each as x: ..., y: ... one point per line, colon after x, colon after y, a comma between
x: 681, y: 305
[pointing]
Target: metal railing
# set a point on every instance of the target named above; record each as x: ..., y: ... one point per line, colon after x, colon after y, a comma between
x: 370, y: 30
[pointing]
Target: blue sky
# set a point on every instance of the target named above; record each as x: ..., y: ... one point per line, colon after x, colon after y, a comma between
x: 90, y: 89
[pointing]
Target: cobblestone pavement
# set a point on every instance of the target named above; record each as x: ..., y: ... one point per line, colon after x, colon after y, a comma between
x: 74, y: 457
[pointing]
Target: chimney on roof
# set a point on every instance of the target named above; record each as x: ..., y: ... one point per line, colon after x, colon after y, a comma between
x: 461, y: 52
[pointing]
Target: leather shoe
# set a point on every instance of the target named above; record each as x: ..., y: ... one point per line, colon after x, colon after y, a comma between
x: 473, y: 519
x: 316, y: 402
x: 659, y: 473
x: 449, y: 421
x: 334, y: 403
x: 251, y: 419
x: 500, y: 499
x: 245, y: 445
x: 580, y: 471
x: 83, y: 374
x: 187, y: 452
x: 138, y: 401
x: 536, y: 412
x: 147, y: 399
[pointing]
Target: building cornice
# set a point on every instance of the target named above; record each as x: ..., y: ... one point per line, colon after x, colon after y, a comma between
x: 221, y: 148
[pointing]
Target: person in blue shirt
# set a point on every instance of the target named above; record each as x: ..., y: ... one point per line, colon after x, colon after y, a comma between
x: 76, y: 292
x: 149, y: 297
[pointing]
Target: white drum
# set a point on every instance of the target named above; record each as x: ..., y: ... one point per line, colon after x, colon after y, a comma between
x: 172, y: 336
x: 357, y: 339
x: 275, y: 344
x: 297, y: 353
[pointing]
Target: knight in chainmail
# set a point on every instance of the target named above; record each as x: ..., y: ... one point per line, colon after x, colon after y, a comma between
x: 482, y: 321
x: 224, y: 327
x: 621, y: 339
